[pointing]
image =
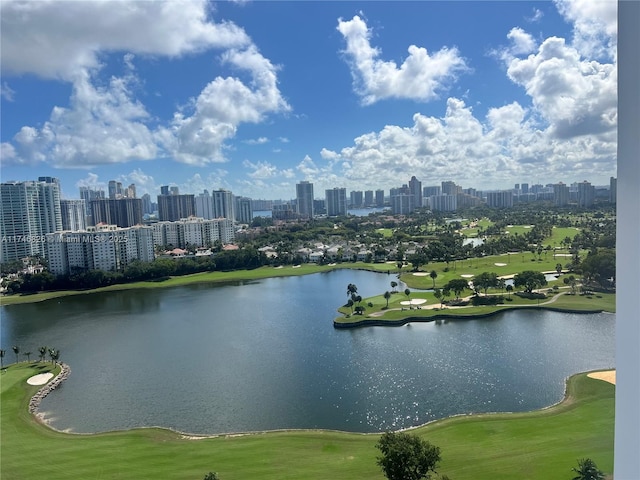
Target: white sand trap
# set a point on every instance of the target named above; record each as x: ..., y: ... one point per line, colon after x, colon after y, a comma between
x: 564, y: 255
x: 296, y: 266
x: 467, y: 275
x: 420, y: 274
x: 405, y: 302
x: 391, y: 262
x: 509, y: 226
x: 500, y: 264
x: 332, y: 264
x: 608, y: 376
x: 418, y: 301
x: 528, y: 226
x: 40, y: 379
x: 278, y: 267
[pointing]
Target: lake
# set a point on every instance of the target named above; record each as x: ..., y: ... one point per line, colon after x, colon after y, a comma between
x: 264, y: 355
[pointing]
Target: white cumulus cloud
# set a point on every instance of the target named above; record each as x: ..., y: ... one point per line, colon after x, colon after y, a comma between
x: 420, y: 77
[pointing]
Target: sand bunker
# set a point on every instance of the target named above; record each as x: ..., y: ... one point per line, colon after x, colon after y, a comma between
x: 296, y: 266
x: 467, y: 275
x: 421, y: 274
x: 40, y: 379
x: 608, y: 376
x: 500, y: 264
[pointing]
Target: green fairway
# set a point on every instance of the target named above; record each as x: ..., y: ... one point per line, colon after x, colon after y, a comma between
x: 541, y: 444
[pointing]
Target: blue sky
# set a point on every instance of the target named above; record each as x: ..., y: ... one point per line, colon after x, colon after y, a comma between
x: 257, y: 96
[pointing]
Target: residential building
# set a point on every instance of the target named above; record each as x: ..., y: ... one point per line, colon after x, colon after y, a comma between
x: 444, y: 203
x: 122, y: 212
x: 147, y: 204
x: 223, y: 204
x: 368, y: 198
x: 204, y: 205
x: 115, y: 190
x: 73, y: 214
x: 90, y: 193
x: 283, y: 211
x: 356, y: 198
x: 336, y: 202
x: 243, y: 210
x: 613, y: 189
x: 586, y: 194
x: 500, y: 199
x: 450, y: 188
x: 103, y: 247
x: 560, y: 194
x: 304, y: 199
x: 193, y: 231
x: 173, y: 207
x: 28, y: 211
x: 415, y: 189
x: 431, y: 191
x: 379, y: 198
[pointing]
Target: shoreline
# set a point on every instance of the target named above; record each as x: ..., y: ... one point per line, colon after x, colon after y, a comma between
x: 454, y: 316
x: 602, y: 374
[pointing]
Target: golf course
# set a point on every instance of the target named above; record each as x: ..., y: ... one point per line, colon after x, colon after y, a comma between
x: 533, y: 445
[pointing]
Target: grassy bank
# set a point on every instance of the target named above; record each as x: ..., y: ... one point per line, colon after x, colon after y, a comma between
x: 599, y: 302
x: 541, y: 444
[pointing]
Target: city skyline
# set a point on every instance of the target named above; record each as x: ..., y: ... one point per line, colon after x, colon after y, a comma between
x: 484, y: 94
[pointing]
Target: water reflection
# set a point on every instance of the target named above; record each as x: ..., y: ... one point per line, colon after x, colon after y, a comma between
x: 264, y: 355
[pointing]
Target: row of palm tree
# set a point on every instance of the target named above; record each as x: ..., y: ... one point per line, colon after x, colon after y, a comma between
x: 54, y: 354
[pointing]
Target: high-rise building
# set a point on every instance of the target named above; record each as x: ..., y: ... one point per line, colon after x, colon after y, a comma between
x: 28, y: 211
x: 500, y: 199
x: 103, y: 247
x: 244, y: 210
x: 560, y: 194
x: 304, y: 199
x: 223, y: 204
x: 450, y: 188
x: 524, y: 188
x: 613, y: 189
x: 379, y: 198
x: 431, y: 191
x: 204, y: 205
x: 90, y: 193
x: 402, y: 200
x: 444, y: 203
x: 586, y: 194
x: 115, y: 190
x: 147, y: 204
x: 122, y: 212
x: 73, y: 215
x: 130, y: 191
x: 336, y: 201
x: 356, y: 198
x: 415, y: 189
x: 164, y: 190
x: 368, y: 198
x: 174, y: 207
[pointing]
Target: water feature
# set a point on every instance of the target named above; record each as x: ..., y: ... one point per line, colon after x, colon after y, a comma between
x: 264, y: 355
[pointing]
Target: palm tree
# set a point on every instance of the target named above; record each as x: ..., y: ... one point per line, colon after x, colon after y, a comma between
x: 501, y: 283
x: 43, y: 353
x: 387, y: 296
x: 433, y: 274
x: 407, y: 292
x: 1, y: 358
x: 438, y: 294
x: 559, y: 268
x: 54, y: 354
x: 351, y: 290
x: 28, y: 355
x: 16, y: 350
x: 587, y: 470
x: 393, y: 286
x: 509, y: 289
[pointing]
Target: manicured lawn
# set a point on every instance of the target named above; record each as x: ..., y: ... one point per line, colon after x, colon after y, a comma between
x: 541, y: 444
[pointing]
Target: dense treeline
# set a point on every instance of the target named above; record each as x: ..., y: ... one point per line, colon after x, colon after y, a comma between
x: 159, y: 269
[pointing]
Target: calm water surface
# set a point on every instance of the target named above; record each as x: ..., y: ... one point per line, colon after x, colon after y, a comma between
x: 264, y: 355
